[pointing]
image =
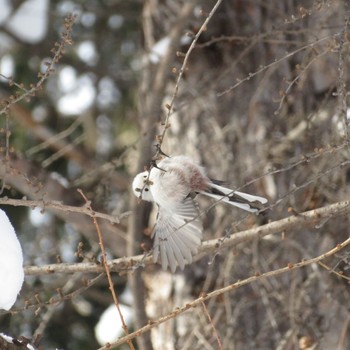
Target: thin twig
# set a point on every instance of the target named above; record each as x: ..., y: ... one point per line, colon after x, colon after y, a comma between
x: 51, y: 307
x: 64, y: 150
x: 66, y: 39
x: 170, y: 106
x: 55, y: 138
x: 56, y: 300
x: 297, y: 78
x: 106, y: 267
x: 276, y: 61
x: 213, y: 326
x: 333, y: 271
x: 344, y: 334
x: 303, y: 159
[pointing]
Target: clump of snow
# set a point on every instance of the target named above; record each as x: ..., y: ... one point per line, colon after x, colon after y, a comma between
x: 29, y: 22
x: 11, y: 263
x: 109, y: 327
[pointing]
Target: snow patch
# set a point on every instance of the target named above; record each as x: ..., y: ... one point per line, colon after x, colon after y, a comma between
x: 11, y: 263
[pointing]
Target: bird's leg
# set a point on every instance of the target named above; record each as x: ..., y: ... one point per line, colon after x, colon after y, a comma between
x: 154, y: 165
x: 159, y: 152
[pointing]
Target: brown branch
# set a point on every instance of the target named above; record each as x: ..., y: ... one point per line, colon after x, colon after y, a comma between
x: 123, y: 265
x: 212, y: 325
x: 334, y: 272
x: 215, y: 293
x: 38, y: 185
x: 58, y: 205
x: 64, y: 293
x: 182, y: 70
x: 311, y: 217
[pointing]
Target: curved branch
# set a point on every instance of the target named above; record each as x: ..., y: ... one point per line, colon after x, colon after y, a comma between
x: 123, y: 265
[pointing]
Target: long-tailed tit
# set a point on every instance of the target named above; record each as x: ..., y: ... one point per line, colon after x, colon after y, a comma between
x: 172, y: 185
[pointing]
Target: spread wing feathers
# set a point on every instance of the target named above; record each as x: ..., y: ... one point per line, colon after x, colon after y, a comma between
x: 241, y: 200
x: 177, y: 235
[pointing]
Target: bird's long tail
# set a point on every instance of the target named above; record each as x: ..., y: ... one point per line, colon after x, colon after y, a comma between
x: 241, y: 200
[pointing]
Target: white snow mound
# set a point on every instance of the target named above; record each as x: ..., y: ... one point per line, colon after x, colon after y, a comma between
x: 11, y: 263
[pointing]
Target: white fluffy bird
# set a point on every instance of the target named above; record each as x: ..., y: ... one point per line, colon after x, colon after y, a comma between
x: 172, y: 185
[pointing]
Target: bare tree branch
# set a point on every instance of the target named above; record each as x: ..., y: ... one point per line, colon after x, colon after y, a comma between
x: 38, y: 185
x: 58, y: 205
x: 217, y: 292
x: 122, y: 265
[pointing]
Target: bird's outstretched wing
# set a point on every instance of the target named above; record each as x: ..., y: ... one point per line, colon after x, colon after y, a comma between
x: 177, y: 235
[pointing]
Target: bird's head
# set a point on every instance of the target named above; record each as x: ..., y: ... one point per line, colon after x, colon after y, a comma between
x: 141, y: 186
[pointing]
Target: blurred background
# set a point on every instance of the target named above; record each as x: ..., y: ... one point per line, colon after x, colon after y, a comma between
x: 262, y: 105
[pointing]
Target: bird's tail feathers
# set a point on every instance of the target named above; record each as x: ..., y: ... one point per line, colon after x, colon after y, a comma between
x: 241, y: 200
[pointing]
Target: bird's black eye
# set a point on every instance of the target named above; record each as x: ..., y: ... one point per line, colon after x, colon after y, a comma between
x: 146, y: 189
x: 138, y: 189
x: 144, y: 176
